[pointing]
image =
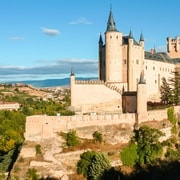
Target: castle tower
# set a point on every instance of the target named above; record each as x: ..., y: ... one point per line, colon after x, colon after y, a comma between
x: 113, y: 52
x: 135, y: 56
x: 141, y: 99
x: 173, y: 47
x: 130, y: 61
x: 72, y: 83
x: 102, y: 75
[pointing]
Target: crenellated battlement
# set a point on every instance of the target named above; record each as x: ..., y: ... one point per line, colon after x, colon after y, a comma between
x: 39, y: 127
x: 89, y: 82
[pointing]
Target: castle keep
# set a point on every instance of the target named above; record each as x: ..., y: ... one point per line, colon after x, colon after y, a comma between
x: 122, y: 61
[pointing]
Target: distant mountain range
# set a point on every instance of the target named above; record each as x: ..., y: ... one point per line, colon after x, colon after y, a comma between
x: 49, y: 82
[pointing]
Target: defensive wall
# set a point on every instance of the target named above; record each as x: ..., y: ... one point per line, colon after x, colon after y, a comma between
x: 96, y: 95
x: 39, y: 127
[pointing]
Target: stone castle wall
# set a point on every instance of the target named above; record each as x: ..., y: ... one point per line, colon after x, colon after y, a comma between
x: 40, y: 127
x: 95, y: 96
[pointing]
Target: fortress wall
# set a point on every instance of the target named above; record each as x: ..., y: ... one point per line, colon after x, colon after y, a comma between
x: 40, y: 127
x: 93, y: 94
x: 88, y: 96
x: 43, y: 127
x: 157, y: 115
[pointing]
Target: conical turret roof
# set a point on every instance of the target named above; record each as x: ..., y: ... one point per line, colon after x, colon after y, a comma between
x: 111, y: 26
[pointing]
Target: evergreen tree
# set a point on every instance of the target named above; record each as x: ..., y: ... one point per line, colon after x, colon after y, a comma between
x: 93, y: 165
x: 175, y: 83
x: 98, y: 165
x: 166, y: 92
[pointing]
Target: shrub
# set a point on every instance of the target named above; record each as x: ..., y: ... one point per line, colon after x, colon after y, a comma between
x: 97, y: 137
x: 38, y: 149
x: 32, y: 174
x: 71, y: 138
x: 129, y: 155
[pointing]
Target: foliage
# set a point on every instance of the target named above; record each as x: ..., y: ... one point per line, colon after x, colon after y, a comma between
x: 148, y: 146
x: 92, y: 165
x: 175, y: 83
x: 38, y: 149
x: 144, y: 147
x: 84, y: 162
x: 99, y: 164
x: 166, y: 93
x: 171, y: 116
x: 71, y: 138
x: 12, y: 125
x: 6, y: 160
x: 32, y: 174
x: 172, y: 119
x: 129, y: 155
x: 97, y: 137
x: 172, y: 154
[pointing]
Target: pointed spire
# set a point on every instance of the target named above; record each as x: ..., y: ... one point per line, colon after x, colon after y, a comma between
x: 72, y: 72
x: 130, y: 34
x: 141, y: 37
x: 141, y: 80
x: 100, y: 39
x: 111, y: 26
x: 123, y: 89
x: 154, y: 49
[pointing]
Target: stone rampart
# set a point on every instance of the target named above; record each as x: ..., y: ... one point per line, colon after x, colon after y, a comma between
x: 40, y: 127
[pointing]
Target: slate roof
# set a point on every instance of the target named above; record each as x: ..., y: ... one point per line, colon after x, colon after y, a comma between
x: 126, y: 38
x: 176, y: 60
x: 158, y: 56
x: 111, y: 26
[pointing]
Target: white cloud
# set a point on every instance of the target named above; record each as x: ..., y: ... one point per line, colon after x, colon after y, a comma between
x: 16, y: 38
x: 80, y: 20
x: 50, y: 32
x: 60, y: 68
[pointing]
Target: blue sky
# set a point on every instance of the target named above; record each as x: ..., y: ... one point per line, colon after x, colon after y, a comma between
x: 42, y: 39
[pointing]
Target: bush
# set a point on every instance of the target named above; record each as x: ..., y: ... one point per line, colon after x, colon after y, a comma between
x: 38, y: 149
x: 71, y: 138
x: 97, y: 137
x: 32, y: 174
x: 129, y: 155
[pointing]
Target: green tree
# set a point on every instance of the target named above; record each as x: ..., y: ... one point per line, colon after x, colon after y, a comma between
x: 93, y: 165
x: 129, y: 155
x: 173, y: 120
x: 99, y: 164
x: 84, y: 162
x: 166, y: 92
x: 175, y: 84
x: 148, y: 146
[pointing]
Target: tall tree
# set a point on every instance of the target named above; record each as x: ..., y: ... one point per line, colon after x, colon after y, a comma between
x: 175, y: 83
x: 166, y: 92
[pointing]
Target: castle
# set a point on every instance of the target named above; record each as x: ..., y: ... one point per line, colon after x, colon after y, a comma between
x: 122, y: 61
